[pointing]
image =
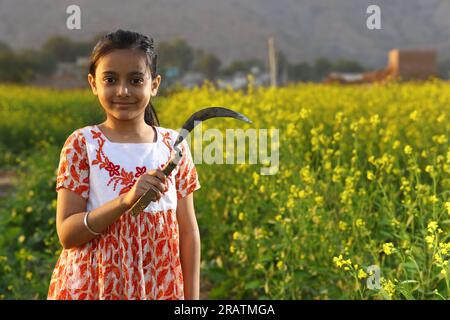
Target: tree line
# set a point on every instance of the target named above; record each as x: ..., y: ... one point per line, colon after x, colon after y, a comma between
x: 175, y: 59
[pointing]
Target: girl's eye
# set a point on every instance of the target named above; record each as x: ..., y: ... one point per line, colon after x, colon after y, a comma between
x: 137, y: 81
x: 109, y: 80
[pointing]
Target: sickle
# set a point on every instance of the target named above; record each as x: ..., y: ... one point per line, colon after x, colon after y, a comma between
x: 189, y: 125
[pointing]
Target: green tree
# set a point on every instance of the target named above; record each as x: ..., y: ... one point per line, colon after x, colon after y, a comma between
x: 40, y: 62
x: 282, y: 67
x: 60, y: 47
x: 64, y: 49
x: 209, y: 65
x: 242, y: 66
x: 176, y: 53
x: 322, y: 67
x: 4, y: 47
x: 14, y: 69
x: 444, y: 68
x: 343, y: 65
x: 302, y: 71
x: 24, y: 66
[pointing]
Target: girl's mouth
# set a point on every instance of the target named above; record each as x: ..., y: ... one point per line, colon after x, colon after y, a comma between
x: 123, y: 105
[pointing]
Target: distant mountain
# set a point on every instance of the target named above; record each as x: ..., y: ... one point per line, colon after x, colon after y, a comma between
x: 238, y: 29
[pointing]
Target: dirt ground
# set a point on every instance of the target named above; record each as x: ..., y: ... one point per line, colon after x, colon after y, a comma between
x: 7, y: 179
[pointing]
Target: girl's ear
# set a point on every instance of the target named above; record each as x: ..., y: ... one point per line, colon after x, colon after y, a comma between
x: 155, y: 85
x: 91, y: 81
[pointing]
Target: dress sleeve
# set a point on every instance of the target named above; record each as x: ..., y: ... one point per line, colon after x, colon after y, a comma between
x: 73, y: 170
x: 186, y: 179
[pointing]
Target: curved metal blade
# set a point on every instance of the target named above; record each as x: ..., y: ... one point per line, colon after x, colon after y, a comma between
x: 194, y: 120
x: 205, y: 114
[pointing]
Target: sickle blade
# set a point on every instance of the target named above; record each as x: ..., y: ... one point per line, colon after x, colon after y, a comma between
x: 205, y: 114
x: 195, y: 119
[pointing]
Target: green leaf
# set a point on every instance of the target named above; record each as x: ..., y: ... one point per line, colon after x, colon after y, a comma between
x: 253, y: 284
x: 405, y: 292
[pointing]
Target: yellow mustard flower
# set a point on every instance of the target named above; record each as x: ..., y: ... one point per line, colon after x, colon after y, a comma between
x: 447, y: 207
x: 362, y: 274
x: 359, y: 223
x: 441, y: 139
x: 280, y: 264
x: 396, y: 144
x: 389, y: 288
x: 430, y: 240
x: 388, y: 248
x: 408, y: 150
x: 338, y: 261
x: 318, y: 200
x: 432, y: 226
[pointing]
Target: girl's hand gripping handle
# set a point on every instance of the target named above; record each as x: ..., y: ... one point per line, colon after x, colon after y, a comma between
x: 150, y: 194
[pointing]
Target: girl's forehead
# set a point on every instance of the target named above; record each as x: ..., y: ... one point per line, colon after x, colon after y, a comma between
x: 123, y: 61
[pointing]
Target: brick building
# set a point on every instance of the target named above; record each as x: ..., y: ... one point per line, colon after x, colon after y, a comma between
x: 403, y: 65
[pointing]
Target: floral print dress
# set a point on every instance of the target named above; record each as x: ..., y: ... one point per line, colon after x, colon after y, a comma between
x: 136, y: 257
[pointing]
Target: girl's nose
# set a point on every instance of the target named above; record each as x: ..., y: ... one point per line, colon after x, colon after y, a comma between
x: 123, y: 91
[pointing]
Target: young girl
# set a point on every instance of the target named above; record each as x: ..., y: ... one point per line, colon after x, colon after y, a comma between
x: 104, y: 168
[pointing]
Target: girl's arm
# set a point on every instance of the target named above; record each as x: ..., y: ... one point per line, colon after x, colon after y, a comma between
x: 71, y: 209
x: 189, y: 247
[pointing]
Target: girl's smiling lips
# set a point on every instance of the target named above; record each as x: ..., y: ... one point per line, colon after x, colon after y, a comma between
x: 123, y: 104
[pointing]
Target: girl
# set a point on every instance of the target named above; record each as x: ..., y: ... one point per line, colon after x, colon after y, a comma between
x: 104, y: 168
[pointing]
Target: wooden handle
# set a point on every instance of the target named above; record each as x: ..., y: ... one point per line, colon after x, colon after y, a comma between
x: 150, y: 195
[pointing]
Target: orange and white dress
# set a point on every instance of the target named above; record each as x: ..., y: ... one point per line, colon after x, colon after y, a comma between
x: 136, y: 257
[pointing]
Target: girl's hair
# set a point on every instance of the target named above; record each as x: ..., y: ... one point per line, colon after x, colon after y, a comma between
x: 123, y: 39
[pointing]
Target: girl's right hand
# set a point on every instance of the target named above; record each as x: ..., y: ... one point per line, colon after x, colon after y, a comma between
x: 154, y: 180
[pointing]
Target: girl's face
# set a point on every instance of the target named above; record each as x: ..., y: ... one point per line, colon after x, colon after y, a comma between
x: 123, y: 83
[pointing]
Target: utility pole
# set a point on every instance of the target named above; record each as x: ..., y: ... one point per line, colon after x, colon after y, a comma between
x: 272, y: 62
